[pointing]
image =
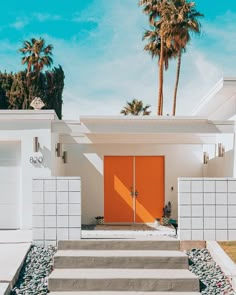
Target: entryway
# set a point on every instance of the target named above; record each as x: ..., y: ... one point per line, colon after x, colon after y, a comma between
x: 133, y: 188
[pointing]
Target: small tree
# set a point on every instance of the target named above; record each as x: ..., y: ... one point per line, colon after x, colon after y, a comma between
x: 36, y: 55
x: 17, y: 93
x: 136, y: 108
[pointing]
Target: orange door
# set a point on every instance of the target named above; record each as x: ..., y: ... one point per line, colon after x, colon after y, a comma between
x: 142, y: 174
x: 149, y: 184
x: 118, y: 181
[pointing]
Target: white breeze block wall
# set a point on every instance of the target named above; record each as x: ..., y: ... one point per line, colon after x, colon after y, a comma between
x: 56, y: 209
x: 207, y: 208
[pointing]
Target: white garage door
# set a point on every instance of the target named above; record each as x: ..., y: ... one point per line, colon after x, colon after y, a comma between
x: 9, y: 184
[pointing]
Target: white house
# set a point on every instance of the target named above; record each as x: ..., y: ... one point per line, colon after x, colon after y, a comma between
x: 129, y: 166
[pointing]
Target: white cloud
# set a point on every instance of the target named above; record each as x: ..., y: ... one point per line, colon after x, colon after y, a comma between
x: 81, y: 19
x: 42, y: 17
x: 19, y: 24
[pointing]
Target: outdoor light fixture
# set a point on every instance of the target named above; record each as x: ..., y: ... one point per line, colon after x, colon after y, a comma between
x: 205, y: 158
x: 64, y: 157
x: 59, y: 149
x: 221, y: 150
x: 35, y: 144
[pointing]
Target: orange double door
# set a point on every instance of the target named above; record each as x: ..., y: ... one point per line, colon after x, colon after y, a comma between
x: 133, y: 188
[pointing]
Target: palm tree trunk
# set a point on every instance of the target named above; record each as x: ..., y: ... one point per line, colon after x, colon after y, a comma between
x: 160, y: 94
x: 177, y: 82
x: 162, y: 103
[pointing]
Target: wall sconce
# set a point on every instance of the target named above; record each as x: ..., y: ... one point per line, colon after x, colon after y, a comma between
x: 59, y: 149
x: 35, y: 144
x: 64, y: 157
x: 205, y: 158
x: 221, y: 150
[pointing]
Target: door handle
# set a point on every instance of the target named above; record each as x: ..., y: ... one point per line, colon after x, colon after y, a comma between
x: 131, y: 192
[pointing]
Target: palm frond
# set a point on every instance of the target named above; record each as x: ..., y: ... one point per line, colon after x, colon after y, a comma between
x: 36, y: 54
x: 135, y: 108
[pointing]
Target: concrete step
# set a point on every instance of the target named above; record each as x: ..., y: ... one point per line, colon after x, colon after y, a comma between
x: 123, y: 280
x: 121, y: 259
x: 122, y: 293
x: 119, y: 245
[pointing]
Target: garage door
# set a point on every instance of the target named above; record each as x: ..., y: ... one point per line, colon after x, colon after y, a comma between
x: 9, y: 185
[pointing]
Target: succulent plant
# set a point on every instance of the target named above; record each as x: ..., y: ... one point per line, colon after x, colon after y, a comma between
x: 167, y: 210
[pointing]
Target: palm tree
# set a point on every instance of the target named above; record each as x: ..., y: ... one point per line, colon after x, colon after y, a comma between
x: 156, y: 10
x: 154, y: 48
x: 173, y: 21
x: 36, y: 55
x: 136, y: 108
x: 184, y: 21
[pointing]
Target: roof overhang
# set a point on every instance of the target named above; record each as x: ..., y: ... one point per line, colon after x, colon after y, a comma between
x: 161, y: 130
x: 154, y: 125
x: 220, y: 102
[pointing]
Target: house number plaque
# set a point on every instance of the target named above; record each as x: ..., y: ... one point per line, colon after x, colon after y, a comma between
x: 36, y: 160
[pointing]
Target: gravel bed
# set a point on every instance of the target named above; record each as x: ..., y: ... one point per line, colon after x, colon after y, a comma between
x: 33, y: 278
x: 212, y: 279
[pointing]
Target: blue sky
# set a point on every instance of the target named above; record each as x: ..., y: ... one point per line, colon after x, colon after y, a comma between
x: 99, y: 45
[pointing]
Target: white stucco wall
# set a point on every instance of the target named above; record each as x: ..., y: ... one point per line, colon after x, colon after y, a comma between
x: 23, y: 131
x: 221, y: 166
x: 86, y: 160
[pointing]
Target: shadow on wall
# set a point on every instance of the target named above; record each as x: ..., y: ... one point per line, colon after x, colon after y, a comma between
x: 221, y: 166
x: 92, y: 182
x: 88, y: 165
x: 181, y: 161
x: 96, y: 161
x: 42, y: 158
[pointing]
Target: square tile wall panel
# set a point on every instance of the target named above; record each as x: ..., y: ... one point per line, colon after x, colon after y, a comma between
x: 56, y: 209
x: 206, y: 208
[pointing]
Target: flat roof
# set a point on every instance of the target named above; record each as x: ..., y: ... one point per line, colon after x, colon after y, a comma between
x: 28, y: 115
x: 142, y: 125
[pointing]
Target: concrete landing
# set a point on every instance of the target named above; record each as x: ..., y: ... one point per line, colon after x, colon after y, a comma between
x: 146, y: 231
x: 134, y: 227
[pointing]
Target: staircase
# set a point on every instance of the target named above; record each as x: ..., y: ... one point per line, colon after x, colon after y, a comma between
x: 119, y: 267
